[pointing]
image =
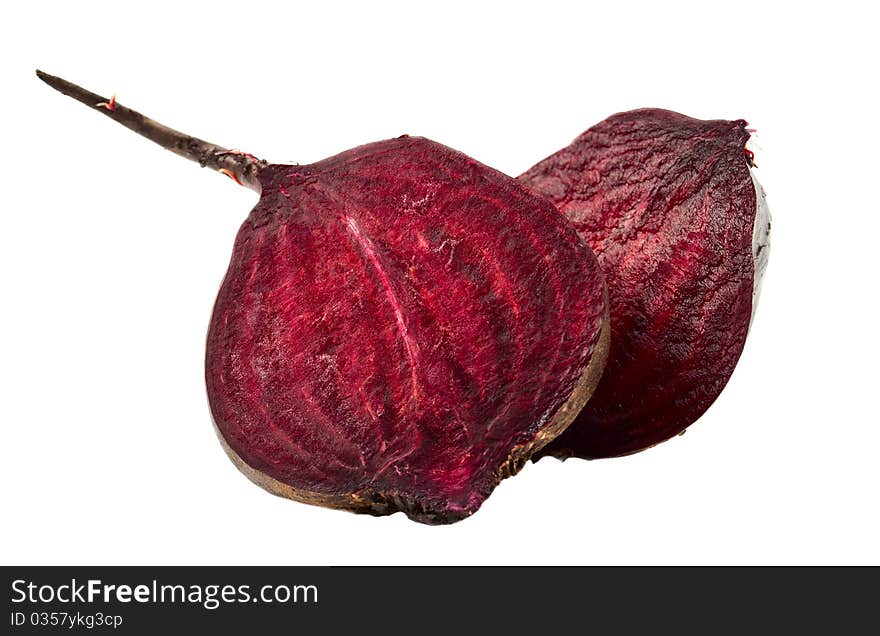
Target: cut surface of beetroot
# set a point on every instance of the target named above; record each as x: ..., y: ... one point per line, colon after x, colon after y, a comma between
x: 400, y: 327
x: 668, y: 204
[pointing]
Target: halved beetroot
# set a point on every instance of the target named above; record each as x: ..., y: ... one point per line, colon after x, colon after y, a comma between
x: 678, y: 223
x: 400, y: 328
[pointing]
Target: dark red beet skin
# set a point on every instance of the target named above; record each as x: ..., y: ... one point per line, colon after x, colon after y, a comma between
x: 668, y: 205
x: 400, y: 327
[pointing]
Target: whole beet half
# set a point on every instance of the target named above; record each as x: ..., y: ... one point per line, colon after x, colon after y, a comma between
x: 400, y: 327
x: 670, y: 207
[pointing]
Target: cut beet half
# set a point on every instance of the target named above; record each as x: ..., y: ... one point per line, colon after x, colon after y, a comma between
x: 671, y: 209
x: 400, y: 328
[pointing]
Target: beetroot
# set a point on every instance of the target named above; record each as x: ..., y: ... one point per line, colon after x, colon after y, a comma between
x: 669, y: 206
x: 400, y: 327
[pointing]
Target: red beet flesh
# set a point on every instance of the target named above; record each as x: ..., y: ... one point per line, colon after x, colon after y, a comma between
x: 668, y: 205
x: 399, y: 328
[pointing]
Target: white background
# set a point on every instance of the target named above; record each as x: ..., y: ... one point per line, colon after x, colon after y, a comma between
x: 113, y: 250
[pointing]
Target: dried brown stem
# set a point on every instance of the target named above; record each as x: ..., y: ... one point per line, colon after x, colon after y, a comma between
x: 242, y: 167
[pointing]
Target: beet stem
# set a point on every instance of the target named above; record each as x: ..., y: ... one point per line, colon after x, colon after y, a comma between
x: 241, y: 167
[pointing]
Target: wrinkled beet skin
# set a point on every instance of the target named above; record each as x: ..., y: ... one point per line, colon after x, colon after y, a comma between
x: 668, y: 206
x: 394, y: 321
